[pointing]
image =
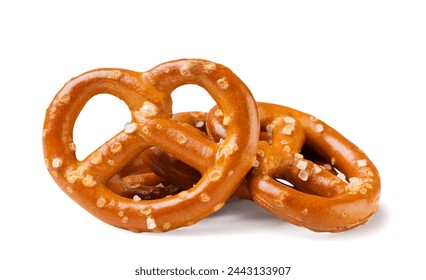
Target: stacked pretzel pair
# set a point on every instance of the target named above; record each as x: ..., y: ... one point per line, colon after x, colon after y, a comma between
x: 164, y: 170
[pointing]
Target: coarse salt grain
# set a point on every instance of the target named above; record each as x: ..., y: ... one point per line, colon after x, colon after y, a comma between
x: 150, y: 223
x: 327, y: 166
x: 148, y: 109
x: 287, y: 129
x: 56, y: 162
x: 302, y: 164
x: 289, y: 120
x: 319, y: 128
x: 317, y: 169
x: 303, y: 175
x: 361, y: 162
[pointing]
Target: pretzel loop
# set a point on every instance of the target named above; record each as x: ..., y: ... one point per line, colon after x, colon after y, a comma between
x: 63, y: 112
x: 148, y: 96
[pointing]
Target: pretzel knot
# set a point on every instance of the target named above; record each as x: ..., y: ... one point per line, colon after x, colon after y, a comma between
x: 148, y: 97
x: 171, y: 175
x: 329, y: 183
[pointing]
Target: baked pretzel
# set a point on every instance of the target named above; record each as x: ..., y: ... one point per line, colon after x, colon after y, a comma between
x: 148, y: 96
x: 319, y: 197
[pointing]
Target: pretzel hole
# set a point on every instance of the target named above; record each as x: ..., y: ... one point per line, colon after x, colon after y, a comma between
x: 191, y: 98
x: 102, y: 117
x: 318, y: 159
x: 284, y: 182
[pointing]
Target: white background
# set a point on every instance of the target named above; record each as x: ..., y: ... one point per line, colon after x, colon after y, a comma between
x: 360, y: 66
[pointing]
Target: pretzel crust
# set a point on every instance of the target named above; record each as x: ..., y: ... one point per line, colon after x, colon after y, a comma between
x: 320, y: 198
x: 148, y: 96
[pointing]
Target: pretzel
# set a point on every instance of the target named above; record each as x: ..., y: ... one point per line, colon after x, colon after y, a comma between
x: 148, y: 96
x: 320, y: 198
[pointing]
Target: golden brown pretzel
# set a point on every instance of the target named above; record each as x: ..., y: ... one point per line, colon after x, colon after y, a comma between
x: 320, y: 200
x: 148, y: 96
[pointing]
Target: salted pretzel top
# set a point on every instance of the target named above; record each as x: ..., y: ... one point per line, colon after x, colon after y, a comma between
x: 148, y: 96
x: 319, y: 199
